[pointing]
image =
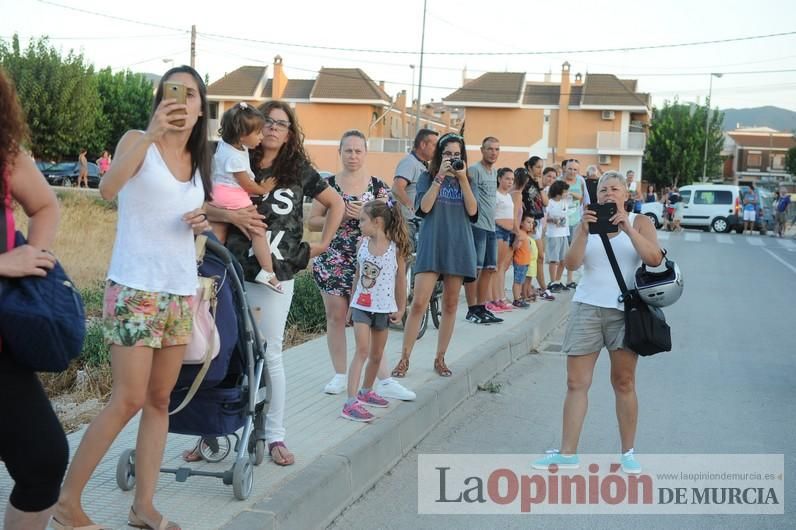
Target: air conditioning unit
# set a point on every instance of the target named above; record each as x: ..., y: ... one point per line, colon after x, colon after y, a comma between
x: 609, y: 115
x: 605, y: 159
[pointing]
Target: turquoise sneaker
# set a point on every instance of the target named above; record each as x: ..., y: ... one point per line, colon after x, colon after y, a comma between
x: 629, y: 463
x: 554, y: 457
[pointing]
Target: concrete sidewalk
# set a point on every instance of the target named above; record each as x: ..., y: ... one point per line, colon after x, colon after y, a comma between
x: 336, y: 460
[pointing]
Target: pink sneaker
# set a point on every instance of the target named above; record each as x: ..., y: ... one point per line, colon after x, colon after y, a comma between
x: 372, y: 399
x: 356, y: 412
x: 494, y: 308
x: 505, y: 305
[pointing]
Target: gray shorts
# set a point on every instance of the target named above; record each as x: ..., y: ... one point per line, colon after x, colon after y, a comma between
x: 590, y: 328
x: 377, y: 321
x: 555, y: 249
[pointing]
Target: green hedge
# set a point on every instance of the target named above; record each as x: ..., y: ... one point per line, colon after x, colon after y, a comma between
x: 306, y: 310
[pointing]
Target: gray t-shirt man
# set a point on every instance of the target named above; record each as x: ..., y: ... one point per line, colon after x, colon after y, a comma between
x: 409, y: 169
x: 484, y: 184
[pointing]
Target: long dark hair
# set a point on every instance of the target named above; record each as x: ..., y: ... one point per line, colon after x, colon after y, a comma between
x: 291, y: 159
x: 436, y: 162
x: 13, y: 129
x: 198, y: 145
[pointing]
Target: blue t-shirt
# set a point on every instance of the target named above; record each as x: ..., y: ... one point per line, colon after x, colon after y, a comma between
x: 445, y: 242
x: 750, y: 196
x: 782, y: 203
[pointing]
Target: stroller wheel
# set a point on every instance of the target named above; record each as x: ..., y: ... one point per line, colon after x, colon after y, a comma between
x: 259, y: 452
x: 242, y: 479
x: 215, y: 449
x: 125, y: 470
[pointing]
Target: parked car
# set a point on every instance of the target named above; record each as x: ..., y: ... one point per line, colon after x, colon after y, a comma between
x: 65, y: 174
x: 653, y: 210
x: 43, y: 164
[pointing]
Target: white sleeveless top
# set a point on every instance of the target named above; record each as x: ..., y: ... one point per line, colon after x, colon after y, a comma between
x: 154, y: 248
x: 598, y: 285
x: 504, y: 206
x: 375, y: 289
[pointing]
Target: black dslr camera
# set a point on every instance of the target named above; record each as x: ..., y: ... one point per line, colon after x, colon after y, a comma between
x: 457, y: 164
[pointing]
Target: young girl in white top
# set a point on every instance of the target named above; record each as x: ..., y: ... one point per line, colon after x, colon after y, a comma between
x: 378, y: 298
x: 233, y: 179
x: 161, y: 178
x: 506, y: 228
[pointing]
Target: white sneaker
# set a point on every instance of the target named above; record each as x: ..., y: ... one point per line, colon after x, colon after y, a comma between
x: 390, y: 388
x: 337, y: 385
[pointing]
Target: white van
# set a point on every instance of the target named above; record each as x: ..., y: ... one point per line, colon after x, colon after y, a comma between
x: 709, y: 206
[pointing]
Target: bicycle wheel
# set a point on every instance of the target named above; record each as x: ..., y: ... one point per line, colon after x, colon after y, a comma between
x: 435, y: 311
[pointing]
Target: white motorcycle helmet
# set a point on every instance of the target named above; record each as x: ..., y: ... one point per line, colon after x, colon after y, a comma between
x: 660, y: 288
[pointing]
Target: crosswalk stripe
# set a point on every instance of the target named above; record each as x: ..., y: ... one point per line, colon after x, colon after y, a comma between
x: 690, y: 236
x: 663, y: 236
x: 755, y: 242
x: 724, y: 238
x: 788, y: 244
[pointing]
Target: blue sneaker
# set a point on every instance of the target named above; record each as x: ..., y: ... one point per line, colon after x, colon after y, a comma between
x: 554, y: 457
x: 629, y: 463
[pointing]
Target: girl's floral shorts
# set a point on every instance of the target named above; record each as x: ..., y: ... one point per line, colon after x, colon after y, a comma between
x: 142, y: 318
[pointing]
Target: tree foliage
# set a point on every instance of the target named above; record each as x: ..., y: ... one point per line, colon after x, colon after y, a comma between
x: 790, y: 161
x: 69, y: 106
x: 676, y: 144
x: 126, y: 100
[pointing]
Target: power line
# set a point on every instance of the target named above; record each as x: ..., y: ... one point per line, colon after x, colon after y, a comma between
x: 446, y: 53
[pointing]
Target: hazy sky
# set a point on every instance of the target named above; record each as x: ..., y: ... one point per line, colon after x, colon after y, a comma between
x: 232, y: 34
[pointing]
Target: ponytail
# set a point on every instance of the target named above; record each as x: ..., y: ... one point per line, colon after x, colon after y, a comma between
x: 394, y: 224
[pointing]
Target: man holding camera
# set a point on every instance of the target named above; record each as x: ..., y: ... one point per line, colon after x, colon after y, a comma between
x: 483, y: 176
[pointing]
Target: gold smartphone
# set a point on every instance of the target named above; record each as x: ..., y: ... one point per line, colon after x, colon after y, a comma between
x: 176, y: 91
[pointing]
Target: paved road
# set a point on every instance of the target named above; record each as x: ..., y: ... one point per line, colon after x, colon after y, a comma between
x: 727, y: 387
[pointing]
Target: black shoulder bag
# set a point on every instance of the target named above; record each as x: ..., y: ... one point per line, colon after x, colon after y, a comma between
x: 646, y: 330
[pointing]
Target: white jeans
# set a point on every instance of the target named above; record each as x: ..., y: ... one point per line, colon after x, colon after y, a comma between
x: 270, y: 309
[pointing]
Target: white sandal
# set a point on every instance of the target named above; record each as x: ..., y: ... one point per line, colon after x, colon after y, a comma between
x: 264, y: 277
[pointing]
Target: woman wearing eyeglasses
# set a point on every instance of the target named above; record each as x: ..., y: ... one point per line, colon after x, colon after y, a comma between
x: 445, y: 246
x: 281, y: 156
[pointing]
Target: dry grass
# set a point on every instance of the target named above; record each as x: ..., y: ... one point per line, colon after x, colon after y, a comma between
x: 85, y: 235
x: 83, y: 245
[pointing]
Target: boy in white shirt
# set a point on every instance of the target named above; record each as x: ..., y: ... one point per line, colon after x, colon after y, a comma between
x: 556, y: 245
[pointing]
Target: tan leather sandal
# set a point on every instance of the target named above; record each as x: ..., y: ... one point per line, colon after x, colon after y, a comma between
x: 401, y: 368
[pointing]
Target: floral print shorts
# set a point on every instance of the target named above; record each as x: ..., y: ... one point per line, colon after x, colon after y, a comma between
x: 142, y: 318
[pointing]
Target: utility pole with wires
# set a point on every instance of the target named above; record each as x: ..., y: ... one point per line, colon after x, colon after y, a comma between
x: 420, y: 79
x: 193, y: 46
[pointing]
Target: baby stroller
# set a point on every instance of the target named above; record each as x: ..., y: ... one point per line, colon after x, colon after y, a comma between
x: 232, y: 395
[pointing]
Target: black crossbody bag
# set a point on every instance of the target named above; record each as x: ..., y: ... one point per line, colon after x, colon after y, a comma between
x: 646, y: 330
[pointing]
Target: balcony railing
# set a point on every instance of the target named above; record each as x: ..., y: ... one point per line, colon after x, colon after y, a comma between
x: 390, y: 145
x: 612, y: 141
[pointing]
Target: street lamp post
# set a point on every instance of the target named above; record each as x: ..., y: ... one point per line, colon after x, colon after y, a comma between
x: 707, y: 127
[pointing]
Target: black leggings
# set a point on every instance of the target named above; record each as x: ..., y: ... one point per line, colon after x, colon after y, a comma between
x: 33, y: 445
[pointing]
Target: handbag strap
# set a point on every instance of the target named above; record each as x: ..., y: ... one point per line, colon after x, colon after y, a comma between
x: 194, y: 388
x: 620, y: 280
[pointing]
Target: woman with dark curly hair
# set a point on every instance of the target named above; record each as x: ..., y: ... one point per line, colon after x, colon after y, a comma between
x: 32, y: 443
x: 280, y: 156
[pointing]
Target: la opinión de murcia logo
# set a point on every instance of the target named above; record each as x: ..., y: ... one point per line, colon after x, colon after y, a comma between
x: 670, y: 484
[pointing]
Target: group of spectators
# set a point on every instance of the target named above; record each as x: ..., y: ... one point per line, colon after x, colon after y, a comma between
x: 471, y: 223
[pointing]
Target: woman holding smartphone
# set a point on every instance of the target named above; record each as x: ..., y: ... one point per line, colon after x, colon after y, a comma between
x: 161, y: 177
x: 596, y: 321
x: 334, y: 269
x: 445, y: 245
